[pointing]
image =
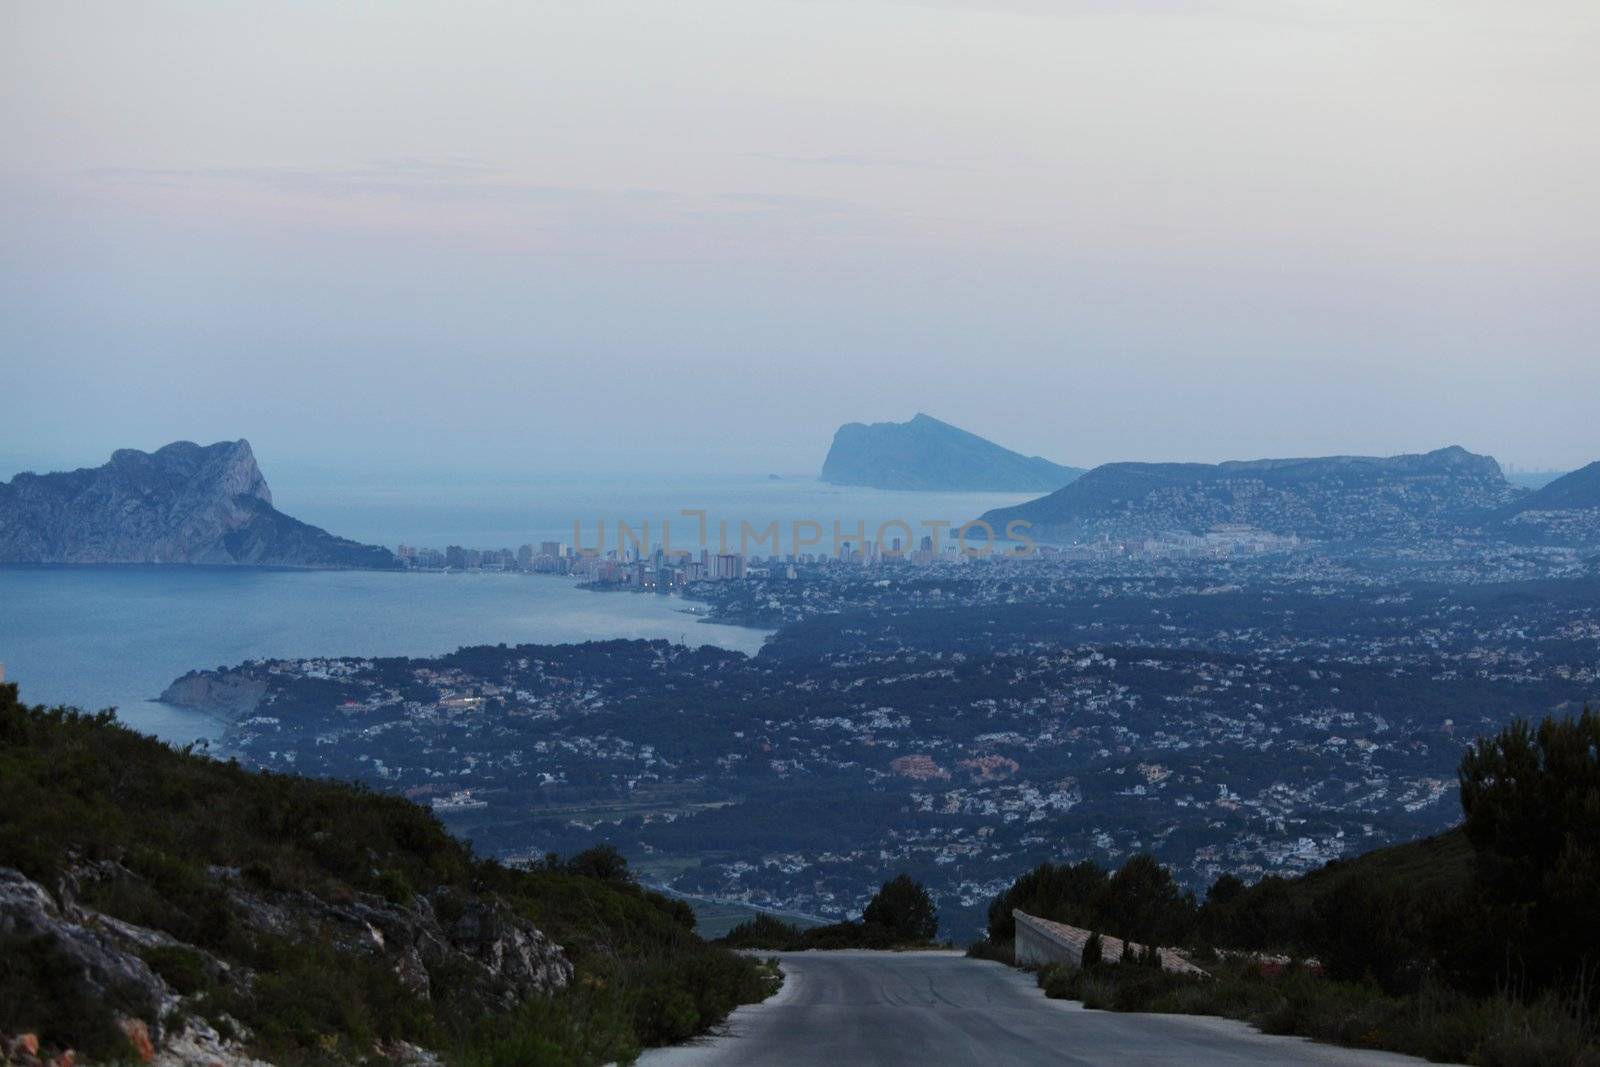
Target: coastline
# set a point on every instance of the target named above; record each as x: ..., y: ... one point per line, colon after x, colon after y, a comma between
x: 100, y: 636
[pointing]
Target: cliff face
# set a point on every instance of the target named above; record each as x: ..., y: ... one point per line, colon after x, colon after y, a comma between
x: 1339, y: 498
x: 225, y: 696
x: 184, y: 503
x: 928, y: 454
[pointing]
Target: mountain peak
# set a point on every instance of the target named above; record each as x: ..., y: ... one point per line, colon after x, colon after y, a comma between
x: 182, y: 503
x: 229, y: 467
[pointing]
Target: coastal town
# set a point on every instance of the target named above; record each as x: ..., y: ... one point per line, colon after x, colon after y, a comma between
x: 964, y: 718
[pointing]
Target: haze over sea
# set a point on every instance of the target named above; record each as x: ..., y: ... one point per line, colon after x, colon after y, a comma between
x: 115, y: 636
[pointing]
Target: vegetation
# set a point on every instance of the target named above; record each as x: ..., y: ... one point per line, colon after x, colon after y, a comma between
x: 1532, y: 801
x: 1437, y: 1023
x: 900, y: 915
x: 904, y: 908
x: 1480, y: 945
x: 156, y: 827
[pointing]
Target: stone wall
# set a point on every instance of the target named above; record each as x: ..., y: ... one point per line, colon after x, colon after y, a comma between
x: 1041, y: 941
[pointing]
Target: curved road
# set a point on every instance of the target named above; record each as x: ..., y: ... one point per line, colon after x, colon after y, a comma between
x: 840, y: 1009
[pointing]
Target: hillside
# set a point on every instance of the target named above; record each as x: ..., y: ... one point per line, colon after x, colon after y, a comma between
x: 1579, y: 489
x: 1567, y: 509
x: 1335, y: 498
x: 184, y: 503
x: 154, y: 899
x: 928, y: 454
x: 1275, y: 912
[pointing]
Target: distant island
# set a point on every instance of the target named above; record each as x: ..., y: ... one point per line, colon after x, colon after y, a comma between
x: 1332, y: 498
x: 928, y: 454
x: 184, y: 503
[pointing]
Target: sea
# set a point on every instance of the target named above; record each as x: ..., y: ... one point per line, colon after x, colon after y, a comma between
x: 115, y: 636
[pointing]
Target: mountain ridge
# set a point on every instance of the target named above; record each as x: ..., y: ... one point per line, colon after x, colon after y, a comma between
x: 1324, y: 498
x: 1565, y: 511
x: 926, y: 453
x: 182, y: 503
x: 1573, y: 490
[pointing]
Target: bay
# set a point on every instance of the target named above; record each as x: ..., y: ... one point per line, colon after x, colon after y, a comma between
x: 115, y: 636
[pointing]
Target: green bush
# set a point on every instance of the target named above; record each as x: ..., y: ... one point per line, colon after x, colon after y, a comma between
x: 80, y: 787
x: 763, y: 931
x: 183, y: 969
x: 40, y: 993
x: 903, y: 907
x: 1001, y: 952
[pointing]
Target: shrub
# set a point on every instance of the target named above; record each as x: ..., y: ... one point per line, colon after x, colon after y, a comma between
x: 77, y: 787
x: 183, y: 969
x: 904, y: 908
x: 1001, y: 952
x: 763, y: 931
x: 1093, y: 952
x: 40, y: 993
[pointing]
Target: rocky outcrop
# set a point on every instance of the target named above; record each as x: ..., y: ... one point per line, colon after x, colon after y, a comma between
x: 928, y: 454
x: 102, y: 967
x: 184, y: 503
x: 454, y: 945
x: 226, y: 695
x: 494, y: 957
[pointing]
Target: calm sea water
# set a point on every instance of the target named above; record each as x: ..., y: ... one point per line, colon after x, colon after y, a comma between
x: 507, y: 515
x: 115, y: 636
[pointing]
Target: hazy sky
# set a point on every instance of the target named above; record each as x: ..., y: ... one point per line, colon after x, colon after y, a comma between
x: 703, y: 233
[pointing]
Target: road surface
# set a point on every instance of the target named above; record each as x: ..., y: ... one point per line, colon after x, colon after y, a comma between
x: 927, y: 1009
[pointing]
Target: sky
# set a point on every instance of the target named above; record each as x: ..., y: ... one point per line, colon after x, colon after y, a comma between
x: 389, y: 240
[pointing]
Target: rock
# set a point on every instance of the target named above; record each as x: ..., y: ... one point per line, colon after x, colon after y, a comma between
x: 406, y: 1054
x: 196, y: 1044
x: 138, y: 1035
x: 495, y: 957
x: 518, y: 958
x: 928, y: 454
x: 227, y: 696
x: 180, y: 504
x: 103, y: 970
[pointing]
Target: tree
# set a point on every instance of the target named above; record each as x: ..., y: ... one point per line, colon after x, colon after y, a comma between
x: 904, y: 907
x: 1532, y: 802
x: 1143, y: 901
x: 1068, y: 894
x: 1093, y: 952
x: 1225, y: 890
x: 1263, y: 916
x: 603, y: 862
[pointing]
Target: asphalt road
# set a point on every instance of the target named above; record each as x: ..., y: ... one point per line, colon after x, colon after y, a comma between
x: 926, y: 1009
